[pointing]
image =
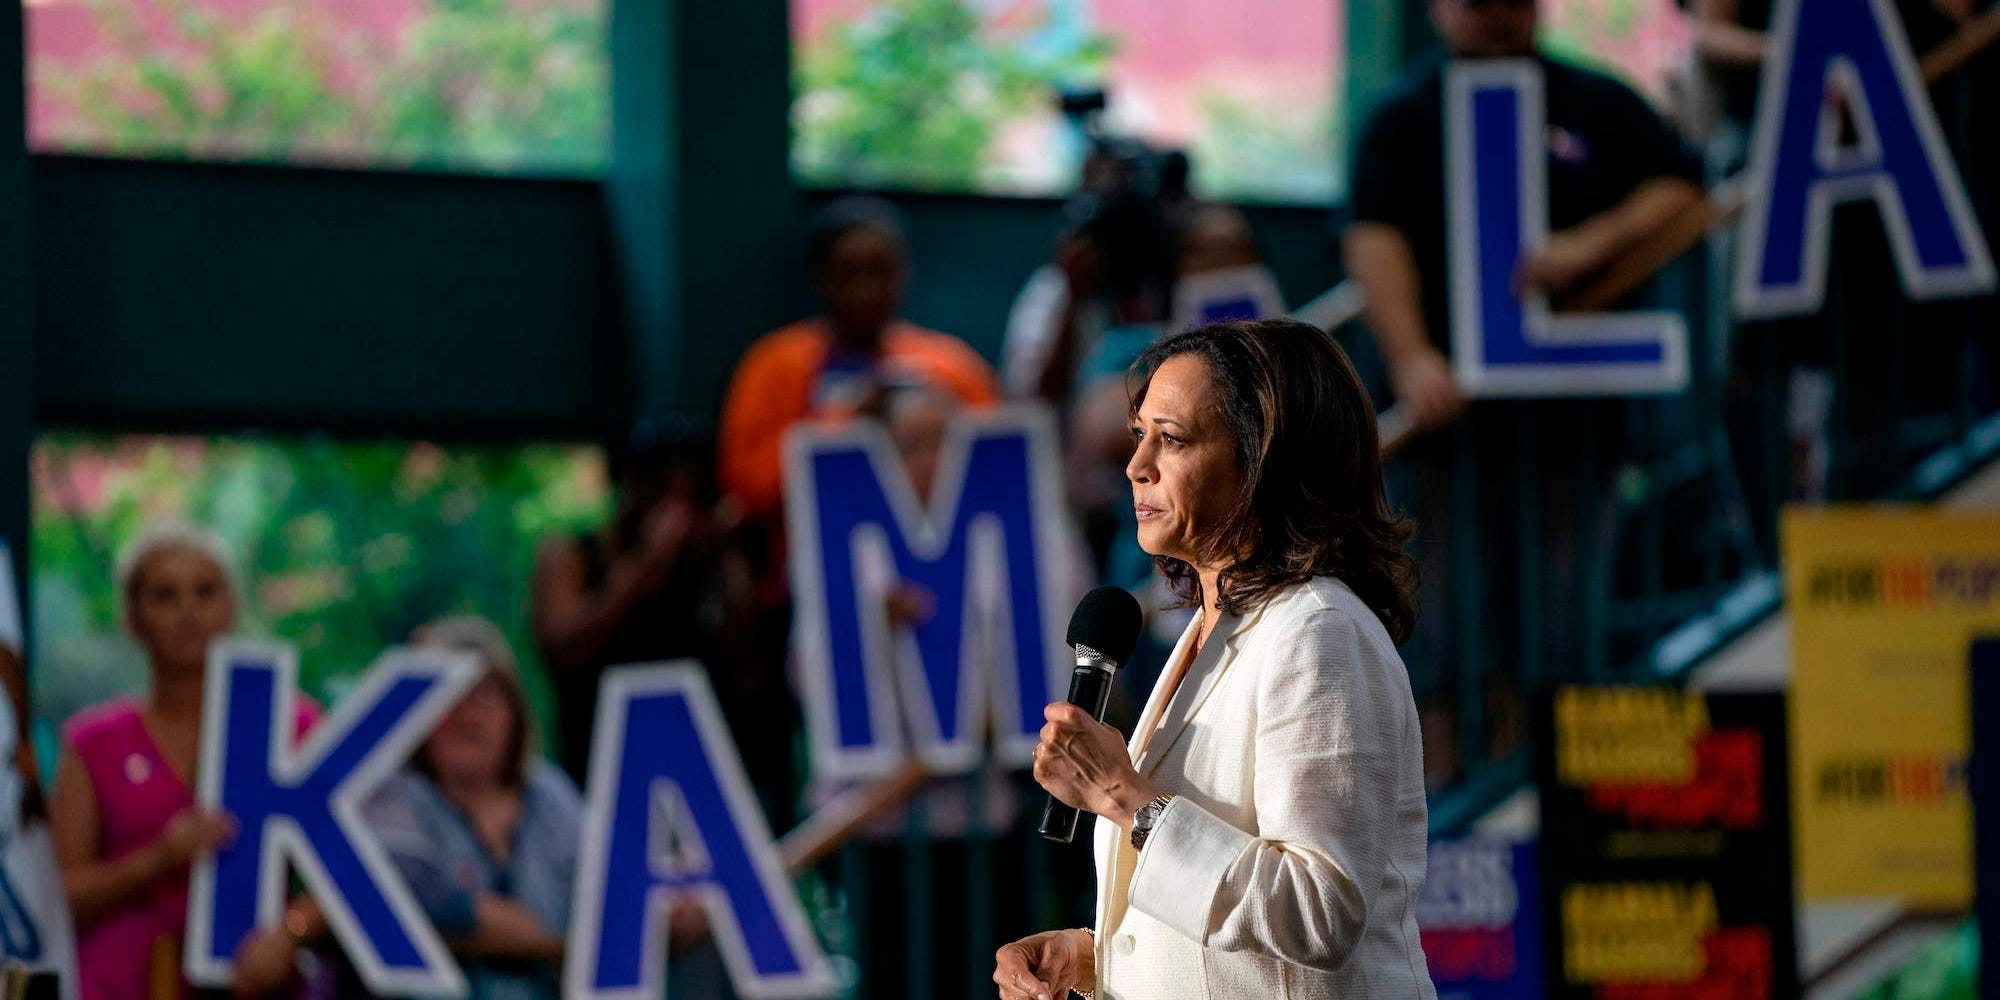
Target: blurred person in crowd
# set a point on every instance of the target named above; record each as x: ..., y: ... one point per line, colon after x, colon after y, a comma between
x: 484, y: 830
x: 1112, y: 268
x: 1218, y: 238
x: 123, y: 812
x: 839, y: 364
x: 668, y: 578
x: 1617, y: 174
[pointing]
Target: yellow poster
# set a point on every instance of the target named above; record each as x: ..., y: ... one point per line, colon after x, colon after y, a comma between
x: 1884, y: 603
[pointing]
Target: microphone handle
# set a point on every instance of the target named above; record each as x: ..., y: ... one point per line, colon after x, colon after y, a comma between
x: 1089, y: 689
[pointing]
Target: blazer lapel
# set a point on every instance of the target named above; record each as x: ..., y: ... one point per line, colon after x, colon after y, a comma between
x: 1202, y: 676
x: 1156, y: 701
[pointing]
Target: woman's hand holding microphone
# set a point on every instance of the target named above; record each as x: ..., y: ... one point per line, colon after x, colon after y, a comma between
x: 1083, y: 763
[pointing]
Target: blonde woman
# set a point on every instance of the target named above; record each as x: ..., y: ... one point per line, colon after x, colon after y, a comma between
x: 123, y: 812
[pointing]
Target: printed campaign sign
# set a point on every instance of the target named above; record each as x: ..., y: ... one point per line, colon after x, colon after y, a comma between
x: 671, y: 814
x: 1883, y: 603
x: 1481, y: 920
x: 1666, y: 844
x: 986, y: 554
x: 1856, y: 52
x: 1509, y: 344
x: 302, y: 806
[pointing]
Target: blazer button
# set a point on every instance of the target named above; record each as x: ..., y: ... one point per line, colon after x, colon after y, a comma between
x: 1123, y: 944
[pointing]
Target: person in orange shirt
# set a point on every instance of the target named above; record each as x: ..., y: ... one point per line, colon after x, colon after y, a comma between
x: 840, y: 364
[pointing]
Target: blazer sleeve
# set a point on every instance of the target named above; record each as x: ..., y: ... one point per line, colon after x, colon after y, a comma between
x: 1329, y: 730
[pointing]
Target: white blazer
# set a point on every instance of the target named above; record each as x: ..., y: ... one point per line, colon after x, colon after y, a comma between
x: 1289, y: 863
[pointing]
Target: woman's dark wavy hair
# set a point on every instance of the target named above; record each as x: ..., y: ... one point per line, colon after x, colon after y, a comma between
x: 1312, y: 501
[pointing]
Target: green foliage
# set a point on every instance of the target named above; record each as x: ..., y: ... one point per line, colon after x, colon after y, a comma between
x: 916, y: 92
x: 343, y: 547
x: 1264, y: 151
x: 1579, y: 31
x: 485, y: 84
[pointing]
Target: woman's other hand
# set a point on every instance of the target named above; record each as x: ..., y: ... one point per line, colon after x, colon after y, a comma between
x: 1084, y: 764
x: 1045, y: 966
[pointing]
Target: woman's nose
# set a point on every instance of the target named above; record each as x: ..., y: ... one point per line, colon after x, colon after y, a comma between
x: 1140, y: 468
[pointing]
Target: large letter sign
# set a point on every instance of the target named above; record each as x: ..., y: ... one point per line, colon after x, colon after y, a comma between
x: 669, y: 812
x: 1856, y: 51
x: 987, y: 554
x: 1504, y: 344
x: 303, y: 806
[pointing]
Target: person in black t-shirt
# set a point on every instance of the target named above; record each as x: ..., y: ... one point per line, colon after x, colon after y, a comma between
x: 1617, y: 172
x: 1515, y: 504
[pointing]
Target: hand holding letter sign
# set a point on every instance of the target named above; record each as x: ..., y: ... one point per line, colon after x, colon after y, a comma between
x: 669, y: 812
x: 302, y: 807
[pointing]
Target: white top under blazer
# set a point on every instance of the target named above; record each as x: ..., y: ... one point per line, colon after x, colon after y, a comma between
x: 1289, y: 862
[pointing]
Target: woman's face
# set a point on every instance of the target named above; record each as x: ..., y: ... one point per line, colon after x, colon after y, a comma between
x: 180, y: 602
x: 472, y: 741
x: 1184, y: 472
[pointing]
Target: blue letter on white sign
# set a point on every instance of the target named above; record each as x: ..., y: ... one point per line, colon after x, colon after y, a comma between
x: 671, y: 811
x: 1854, y: 50
x: 987, y: 554
x: 1505, y: 344
x: 304, y: 806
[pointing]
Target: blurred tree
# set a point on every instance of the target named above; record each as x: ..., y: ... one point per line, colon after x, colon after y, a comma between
x: 344, y: 547
x: 1252, y: 150
x: 509, y: 85
x: 1643, y: 42
x: 915, y: 93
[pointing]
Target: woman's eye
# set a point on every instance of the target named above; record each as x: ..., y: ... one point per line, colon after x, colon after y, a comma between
x: 1172, y: 440
x: 1138, y: 434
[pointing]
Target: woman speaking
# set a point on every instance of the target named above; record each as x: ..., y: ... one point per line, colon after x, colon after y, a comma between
x: 1262, y: 835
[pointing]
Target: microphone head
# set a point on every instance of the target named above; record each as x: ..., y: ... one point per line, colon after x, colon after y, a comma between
x: 1108, y: 621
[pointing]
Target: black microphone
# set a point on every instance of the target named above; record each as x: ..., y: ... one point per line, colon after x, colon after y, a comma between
x: 1104, y: 631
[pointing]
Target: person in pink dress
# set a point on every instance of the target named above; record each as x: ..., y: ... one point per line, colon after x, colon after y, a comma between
x: 123, y: 811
